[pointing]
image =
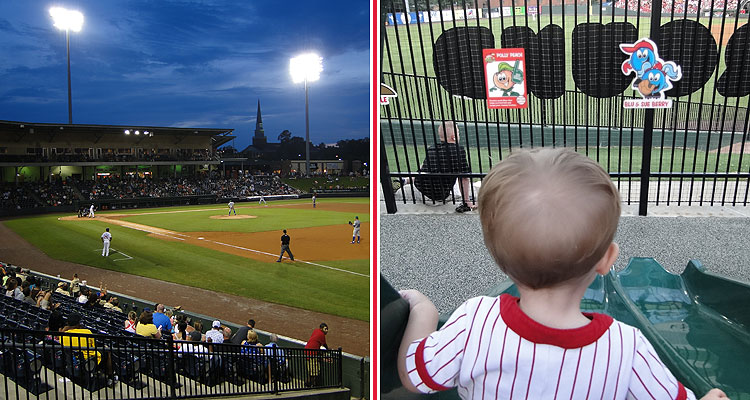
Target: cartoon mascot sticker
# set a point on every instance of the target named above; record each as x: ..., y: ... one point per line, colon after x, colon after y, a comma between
x: 653, y: 76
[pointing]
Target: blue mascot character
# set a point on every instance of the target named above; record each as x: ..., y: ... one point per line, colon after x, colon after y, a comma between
x: 657, y: 81
x: 642, y: 58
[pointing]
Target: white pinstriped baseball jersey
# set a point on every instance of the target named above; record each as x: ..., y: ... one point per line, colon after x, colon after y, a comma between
x: 490, y: 349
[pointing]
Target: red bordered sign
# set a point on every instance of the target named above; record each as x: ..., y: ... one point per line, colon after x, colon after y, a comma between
x: 505, y: 74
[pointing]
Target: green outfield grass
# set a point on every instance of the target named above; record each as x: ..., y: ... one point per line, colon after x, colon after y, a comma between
x: 294, y: 284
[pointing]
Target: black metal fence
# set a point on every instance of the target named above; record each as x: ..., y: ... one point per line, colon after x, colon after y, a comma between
x: 51, y: 365
x: 696, y: 152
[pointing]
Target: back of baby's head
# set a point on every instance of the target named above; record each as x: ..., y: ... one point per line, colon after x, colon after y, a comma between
x: 548, y: 215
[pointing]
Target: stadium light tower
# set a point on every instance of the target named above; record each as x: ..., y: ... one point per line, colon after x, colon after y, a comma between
x: 306, y: 68
x: 67, y: 20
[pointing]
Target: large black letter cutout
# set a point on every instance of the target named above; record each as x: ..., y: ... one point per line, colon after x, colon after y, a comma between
x: 735, y: 81
x: 458, y: 62
x: 693, y: 48
x: 597, y: 58
x: 545, y: 58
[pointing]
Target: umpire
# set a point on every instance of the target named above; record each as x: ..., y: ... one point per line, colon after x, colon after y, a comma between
x: 285, y: 247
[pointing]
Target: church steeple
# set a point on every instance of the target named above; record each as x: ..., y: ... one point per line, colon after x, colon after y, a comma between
x: 259, y: 140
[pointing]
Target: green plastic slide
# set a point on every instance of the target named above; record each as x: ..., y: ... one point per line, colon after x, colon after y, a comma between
x: 699, y: 323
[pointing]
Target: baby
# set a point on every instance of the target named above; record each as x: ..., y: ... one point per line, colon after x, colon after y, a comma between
x: 549, y: 218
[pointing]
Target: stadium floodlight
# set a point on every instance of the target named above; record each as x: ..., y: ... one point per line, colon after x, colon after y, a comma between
x: 306, y: 68
x: 67, y: 20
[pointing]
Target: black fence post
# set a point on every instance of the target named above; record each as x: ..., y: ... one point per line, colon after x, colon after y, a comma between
x: 648, y: 121
x: 340, y: 367
x: 362, y: 378
x: 275, y: 365
x: 170, y: 367
x: 385, y: 182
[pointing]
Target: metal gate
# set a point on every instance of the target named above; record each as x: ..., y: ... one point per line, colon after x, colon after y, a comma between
x: 696, y: 152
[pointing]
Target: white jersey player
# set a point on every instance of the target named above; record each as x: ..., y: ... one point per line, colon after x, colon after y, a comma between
x: 106, y: 239
x: 231, y: 208
x: 91, y: 211
x: 355, y: 231
x: 262, y: 200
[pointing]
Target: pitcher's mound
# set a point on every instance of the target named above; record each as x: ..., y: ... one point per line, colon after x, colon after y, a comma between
x: 233, y: 216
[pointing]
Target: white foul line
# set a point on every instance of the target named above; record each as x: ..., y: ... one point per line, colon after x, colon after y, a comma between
x: 246, y: 249
x: 306, y: 262
x: 122, y: 259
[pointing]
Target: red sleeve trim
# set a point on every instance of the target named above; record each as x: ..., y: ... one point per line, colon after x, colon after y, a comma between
x: 422, y: 368
x: 681, y: 392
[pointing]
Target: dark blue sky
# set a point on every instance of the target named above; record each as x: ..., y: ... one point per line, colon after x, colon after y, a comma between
x: 189, y: 64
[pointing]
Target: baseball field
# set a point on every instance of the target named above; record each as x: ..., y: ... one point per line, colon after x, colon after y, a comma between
x: 202, y: 247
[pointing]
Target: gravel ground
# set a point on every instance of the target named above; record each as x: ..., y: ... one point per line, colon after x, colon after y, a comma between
x: 443, y: 255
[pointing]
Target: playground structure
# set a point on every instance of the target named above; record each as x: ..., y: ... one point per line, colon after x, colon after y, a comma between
x: 696, y: 321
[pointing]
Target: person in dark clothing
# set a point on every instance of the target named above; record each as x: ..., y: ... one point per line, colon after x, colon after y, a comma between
x: 285, y: 247
x: 241, y: 333
x: 445, y: 157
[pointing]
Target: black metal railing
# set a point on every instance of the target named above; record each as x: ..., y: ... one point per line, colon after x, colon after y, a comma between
x: 694, y: 153
x: 51, y: 365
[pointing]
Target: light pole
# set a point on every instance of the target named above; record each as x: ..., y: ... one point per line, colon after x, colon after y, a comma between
x: 306, y: 68
x: 67, y: 20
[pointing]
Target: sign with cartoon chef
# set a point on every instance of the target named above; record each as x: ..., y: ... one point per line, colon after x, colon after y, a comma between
x: 653, y: 76
x: 505, y: 74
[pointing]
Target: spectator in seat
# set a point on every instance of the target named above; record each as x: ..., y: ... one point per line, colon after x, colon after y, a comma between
x: 161, y: 319
x: 241, y: 333
x: 73, y: 325
x: 12, y: 290
x: 146, y: 326
x: 62, y: 288
x: 216, y: 334
x: 195, y: 346
x: 27, y: 296
x: 131, y: 322
x: 83, y: 296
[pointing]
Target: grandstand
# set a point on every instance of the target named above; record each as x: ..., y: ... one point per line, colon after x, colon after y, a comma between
x: 57, y: 167
x: 42, y: 360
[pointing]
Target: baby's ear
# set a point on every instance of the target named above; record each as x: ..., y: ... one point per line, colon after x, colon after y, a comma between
x: 608, y: 260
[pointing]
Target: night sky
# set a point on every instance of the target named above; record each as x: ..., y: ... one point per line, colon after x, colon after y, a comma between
x: 201, y: 64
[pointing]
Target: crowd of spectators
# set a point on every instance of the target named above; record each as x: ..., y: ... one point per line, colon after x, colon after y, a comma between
x: 135, y: 187
x: 61, y: 193
x: 678, y: 6
x: 159, y: 322
x: 14, y: 197
x: 113, y: 156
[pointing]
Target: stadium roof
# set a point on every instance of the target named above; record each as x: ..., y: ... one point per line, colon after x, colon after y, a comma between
x: 219, y: 136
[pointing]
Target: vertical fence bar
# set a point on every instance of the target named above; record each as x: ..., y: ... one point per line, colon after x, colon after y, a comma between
x: 648, y: 123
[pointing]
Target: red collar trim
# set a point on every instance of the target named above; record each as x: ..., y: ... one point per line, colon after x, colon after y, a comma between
x: 535, y: 332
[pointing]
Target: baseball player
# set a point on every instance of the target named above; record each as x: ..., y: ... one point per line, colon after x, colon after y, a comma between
x: 91, y: 211
x: 355, y: 232
x: 106, y: 238
x: 231, y: 208
x: 285, y: 247
x: 262, y: 200
x: 313, y: 200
